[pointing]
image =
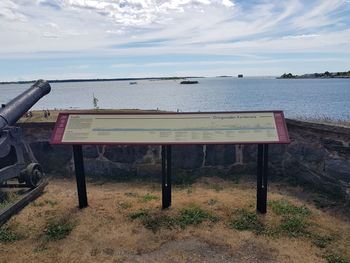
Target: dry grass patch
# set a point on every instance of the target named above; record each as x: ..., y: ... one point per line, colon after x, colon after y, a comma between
x: 125, y: 223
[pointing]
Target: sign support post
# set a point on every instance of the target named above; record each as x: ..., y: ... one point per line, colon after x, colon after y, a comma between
x: 80, y: 175
x: 262, y: 166
x: 166, y: 176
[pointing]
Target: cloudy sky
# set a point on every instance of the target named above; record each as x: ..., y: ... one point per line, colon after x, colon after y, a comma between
x: 58, y: 39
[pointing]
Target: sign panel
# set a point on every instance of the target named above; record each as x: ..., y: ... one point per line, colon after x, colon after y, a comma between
x: 171, y: 128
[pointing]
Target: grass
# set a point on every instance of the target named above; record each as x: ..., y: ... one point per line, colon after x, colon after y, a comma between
x: 322, y: 241
x: 139, y: 214
x: 44, y: 202
x: 8, y: 235
x: 7, y: 198
x: 131, y: 194
x: 245, y: 220
x: 336, y: 259
x: 147, y: 198
x: 56, y: 231
x: 157, y: 222
x: 282, y: 207
x: 293, y: 221
x: 294, y: 226
x: 124, y: 205
x: 4, y: 204
x: 212, y: 201
x: 191, y: 215
x: 194, y: 215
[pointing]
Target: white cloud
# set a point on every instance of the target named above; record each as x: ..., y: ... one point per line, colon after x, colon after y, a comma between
x: 210, y: 27
x: 10, y: 11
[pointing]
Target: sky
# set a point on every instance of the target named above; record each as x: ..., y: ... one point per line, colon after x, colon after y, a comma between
x: 70, y: 39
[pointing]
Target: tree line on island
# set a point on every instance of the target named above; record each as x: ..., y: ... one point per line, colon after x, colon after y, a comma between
x: 325, y: 75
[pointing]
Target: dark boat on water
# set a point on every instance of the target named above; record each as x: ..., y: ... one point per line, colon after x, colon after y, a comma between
x: 132, y: 83
x: 189, y: 82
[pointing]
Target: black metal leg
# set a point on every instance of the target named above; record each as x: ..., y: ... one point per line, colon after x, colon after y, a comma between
x: 262, y: 178
x: 80, y: 175
x: 166, y: 176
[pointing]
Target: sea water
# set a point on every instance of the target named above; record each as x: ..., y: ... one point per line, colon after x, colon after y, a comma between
x: 296, y: 97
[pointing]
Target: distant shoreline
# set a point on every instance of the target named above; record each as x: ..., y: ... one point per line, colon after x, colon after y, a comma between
x: 95, y: 80
x: 325, y: 75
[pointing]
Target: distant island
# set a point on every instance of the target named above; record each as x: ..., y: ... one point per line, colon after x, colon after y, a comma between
x: 94, y: 80
x: 325, y: 75
x: 189, y: 82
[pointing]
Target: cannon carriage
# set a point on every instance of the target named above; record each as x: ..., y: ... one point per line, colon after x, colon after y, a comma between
x: 13, y: 163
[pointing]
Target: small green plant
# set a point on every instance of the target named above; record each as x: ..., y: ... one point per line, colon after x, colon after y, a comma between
x: 148, y: 197
x: 130, y: 194
x: 336, y: 259
x: 139, y: 215
x: 282, y: 207
x: 4, y: 204
x: 124, y: 205
x: 8, y: 235
x: 322, y: 241
x: 194, y: 215
x: 245, y: 220
x: 56, y: 231
x: 294, y: 226
x: 155, y: 223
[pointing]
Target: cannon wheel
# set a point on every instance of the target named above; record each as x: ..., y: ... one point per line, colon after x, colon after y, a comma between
x: 33, y: 175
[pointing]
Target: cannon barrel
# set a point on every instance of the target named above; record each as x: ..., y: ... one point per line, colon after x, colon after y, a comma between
x: 15, y: 109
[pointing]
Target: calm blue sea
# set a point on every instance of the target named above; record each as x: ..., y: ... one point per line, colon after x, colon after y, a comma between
x: 297, y: 97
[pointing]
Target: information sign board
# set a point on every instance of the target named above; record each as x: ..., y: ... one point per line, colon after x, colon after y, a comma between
x: 171, y: 128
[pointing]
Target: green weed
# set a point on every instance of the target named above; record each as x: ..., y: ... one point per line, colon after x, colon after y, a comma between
x: 8, y: 235
x: 139, y: 215
x: 56, y: 231
x: 245, y: 220
x: 294, y: 226
x: 155, y: 223
x: 148, y: 197
x: 336, y: 259
x: 282, y: 207
x: 130, y: 194
x: 194, y: 215
x: 124, y: 205
x: 322, y: 241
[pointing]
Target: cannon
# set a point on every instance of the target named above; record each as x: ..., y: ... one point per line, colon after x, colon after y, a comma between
x: 12, y: 160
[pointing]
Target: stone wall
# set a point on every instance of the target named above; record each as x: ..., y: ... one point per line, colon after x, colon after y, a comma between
x: 319, y: 156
